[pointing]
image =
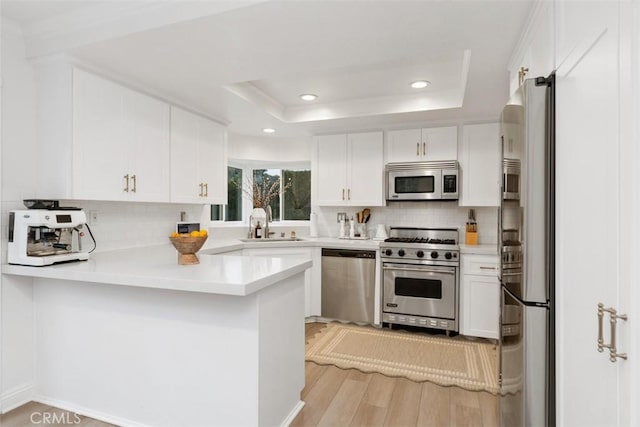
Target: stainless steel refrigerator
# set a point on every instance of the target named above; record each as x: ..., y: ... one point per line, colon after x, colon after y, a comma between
x: 527, y: 271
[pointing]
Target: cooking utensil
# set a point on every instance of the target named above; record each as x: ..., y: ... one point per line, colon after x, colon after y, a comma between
x: 366, y: 213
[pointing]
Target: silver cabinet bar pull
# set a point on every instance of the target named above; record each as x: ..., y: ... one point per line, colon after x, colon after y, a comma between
x: 201, y: 185
x: 482, y: 267
x: 206, y: 189
x: 135, y: 183
x: 349, y: 194
x: 126, y: 183
x: 613, y: 321
x: 424, y: 149
x: 343, y: 194
x: 417, y: 148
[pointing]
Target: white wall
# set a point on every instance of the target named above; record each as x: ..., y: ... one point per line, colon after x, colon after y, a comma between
x: 18, y: 181
x: 244, y: 147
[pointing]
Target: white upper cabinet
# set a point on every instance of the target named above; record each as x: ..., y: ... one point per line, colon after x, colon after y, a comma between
x: 413, y: 145
x: 120, y: 142
x: 480, y: 165
x: 198, y: 159
x: 536, y: 52
x: 349, y: 169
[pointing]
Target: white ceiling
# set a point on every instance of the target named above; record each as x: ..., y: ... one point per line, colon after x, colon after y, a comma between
x: 248, y: 65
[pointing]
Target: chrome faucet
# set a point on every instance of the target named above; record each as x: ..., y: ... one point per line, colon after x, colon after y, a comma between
x: 250, y: 235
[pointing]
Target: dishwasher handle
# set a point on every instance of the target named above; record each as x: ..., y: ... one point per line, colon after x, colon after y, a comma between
x: 348, y: 253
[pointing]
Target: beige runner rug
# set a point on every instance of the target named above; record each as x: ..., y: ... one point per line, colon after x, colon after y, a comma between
x: 418, y: 357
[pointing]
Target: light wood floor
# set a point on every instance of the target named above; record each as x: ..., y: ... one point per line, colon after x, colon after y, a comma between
x: 337, y: 397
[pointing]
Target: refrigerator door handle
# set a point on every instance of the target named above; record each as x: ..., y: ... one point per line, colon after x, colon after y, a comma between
x: 613, y: 321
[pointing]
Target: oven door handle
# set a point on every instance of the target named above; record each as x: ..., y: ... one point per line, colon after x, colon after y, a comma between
x: 420, y: 270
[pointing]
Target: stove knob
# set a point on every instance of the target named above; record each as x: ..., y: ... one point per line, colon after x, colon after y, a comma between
x: 448, y: 255
x: 420, y: 254
x: 434, y: 254
x: 401, y: 252
x: 388, y: 252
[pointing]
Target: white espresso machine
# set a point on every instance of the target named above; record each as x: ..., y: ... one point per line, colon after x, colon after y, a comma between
x: 39, y: 237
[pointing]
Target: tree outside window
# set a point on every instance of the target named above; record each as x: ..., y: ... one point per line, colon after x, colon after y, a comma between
x: 292, y: 201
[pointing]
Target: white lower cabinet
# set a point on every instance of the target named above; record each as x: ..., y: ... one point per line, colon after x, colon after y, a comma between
x: 312, y: 280
x: 479, y: 296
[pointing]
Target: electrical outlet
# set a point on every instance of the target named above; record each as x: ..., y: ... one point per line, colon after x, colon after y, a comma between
x: 342, y: 216
x: 93, y: 217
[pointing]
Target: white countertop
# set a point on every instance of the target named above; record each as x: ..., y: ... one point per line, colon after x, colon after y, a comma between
x: 157, y: 267
x: 217, y: 246
x: 479, y: 249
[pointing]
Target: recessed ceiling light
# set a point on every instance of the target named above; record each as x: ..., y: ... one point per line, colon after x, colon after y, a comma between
x: 308, y: 97
x: 419, y: 84
x: 268, y: 130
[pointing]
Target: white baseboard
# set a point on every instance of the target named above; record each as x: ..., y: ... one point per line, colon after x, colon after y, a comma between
x: 293, y: 414
x: 15, y: 397
x: 87, y: 412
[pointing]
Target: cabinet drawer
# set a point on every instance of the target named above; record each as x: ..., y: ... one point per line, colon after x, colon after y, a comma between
x: 480, y: 265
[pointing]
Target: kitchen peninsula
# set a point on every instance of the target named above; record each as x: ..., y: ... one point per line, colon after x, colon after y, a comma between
x: 132, y: 338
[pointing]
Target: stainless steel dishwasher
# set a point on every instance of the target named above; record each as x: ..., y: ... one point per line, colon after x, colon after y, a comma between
x: 348, y: 280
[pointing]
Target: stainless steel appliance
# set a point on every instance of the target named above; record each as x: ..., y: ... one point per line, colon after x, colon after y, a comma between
x: 348, y: 285
x: 511, y: 179
x: 421, y: 277
x: 422, y: 181
x: 527, y: 270
x: 39, y: 237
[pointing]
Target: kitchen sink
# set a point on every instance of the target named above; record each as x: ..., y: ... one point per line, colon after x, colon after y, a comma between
x: 274, y: 239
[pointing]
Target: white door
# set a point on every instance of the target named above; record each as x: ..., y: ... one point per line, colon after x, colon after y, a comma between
x: 440, y: 143
x: 366, y: 169
x: 184, y: 157
x: 101, y: 145
x: 331, y: 170
x: 404, y: 145
x: 480, y: 165
x: 592, y: 228
x: 480, y: 306
x: 150, y: 148
x: 212, y: 162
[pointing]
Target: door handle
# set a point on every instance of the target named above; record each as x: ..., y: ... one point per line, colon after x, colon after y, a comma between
x: 417, y: 149
x: 206, y: 189
x: 135, y: 183
x: 613, y: 321
x: 424, y: 149
x: 343, y: 194
x: 126, y: 183
x: 349, y: 194
x: 486, y: 268
x: 419, y: 270
x: 201, y: 189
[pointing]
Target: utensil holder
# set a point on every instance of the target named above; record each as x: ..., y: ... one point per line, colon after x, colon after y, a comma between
x: 471, y: 237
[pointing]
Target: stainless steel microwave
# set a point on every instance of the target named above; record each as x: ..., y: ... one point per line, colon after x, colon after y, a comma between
x: 422, y: 181
x: 511, y: 179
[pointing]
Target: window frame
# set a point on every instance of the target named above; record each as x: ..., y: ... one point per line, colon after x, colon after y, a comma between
x: 247, y: 167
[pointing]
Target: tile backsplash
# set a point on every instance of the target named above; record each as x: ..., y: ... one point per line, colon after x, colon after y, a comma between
x: 122, y: 224
x: 415, y: 214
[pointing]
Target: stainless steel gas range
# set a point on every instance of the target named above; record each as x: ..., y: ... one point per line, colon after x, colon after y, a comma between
x: 421, y: 275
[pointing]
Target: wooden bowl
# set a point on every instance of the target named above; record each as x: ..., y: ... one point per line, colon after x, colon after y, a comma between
x: 187, y: 247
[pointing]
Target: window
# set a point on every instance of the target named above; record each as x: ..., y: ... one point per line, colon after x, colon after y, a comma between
x: 232, y: 211
x: 292, y: 201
